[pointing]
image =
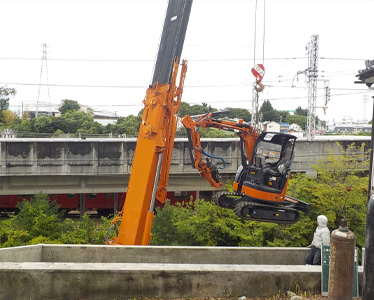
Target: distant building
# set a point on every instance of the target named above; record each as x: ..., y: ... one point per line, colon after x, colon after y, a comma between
x: 284, y: 127
x: 49, y: 109
x: 105, y: 117
x: 296, y: 130
x: 271, y: 126
x: 347, y: 120
x: 295, y: 127
x: 298, y: 134
x: 40, y: 109
x: 350, y: 128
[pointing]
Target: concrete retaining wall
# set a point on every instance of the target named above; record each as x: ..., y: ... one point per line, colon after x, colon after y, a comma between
x: 36, y: 281
x: 154, y: 254
x: 125, y: 272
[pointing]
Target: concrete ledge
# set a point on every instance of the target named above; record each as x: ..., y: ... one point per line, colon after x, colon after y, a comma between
x: 155, y: 254
x: 31, y: 253
x: 123, y: 281
x: 128, y: 272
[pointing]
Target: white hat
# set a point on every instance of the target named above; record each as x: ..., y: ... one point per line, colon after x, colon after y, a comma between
x: 322, y: 220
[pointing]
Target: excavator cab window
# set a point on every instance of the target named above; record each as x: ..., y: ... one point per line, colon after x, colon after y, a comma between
x: 268, y: 151
x: 271, y: 161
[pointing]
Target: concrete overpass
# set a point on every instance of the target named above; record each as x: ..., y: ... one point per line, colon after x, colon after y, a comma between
x: 58, y: 166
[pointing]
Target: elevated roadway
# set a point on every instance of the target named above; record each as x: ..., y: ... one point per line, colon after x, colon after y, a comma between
x: 57, y: 166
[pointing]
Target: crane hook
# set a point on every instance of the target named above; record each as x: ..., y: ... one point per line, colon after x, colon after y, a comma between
x: 259, y: 87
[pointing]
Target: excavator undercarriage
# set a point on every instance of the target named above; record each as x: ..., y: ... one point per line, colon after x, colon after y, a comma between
x: 256, y: 210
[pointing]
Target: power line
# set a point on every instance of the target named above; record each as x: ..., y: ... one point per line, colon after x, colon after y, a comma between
x: 342, y: 58
x: 186, y: 86
x: 198, y: 59
x: 146, y: 60
x: 214, y: 101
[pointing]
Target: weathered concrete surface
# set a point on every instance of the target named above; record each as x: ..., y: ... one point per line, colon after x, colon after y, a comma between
x: 58, y: 166
x: 154, y: 254
x: 185, y: 255
x: 36, y: 281
x: 21, y: 254
x: 125, y: 272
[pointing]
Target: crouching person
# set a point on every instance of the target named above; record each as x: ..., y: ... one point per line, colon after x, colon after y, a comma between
x: 321, y: 237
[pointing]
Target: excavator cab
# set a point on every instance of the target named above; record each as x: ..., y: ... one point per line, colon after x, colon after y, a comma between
x: 261, y: 182
x: 266, y: 172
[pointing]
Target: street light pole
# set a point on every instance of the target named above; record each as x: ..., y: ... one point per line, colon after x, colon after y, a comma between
x: 368, y: 286
x: 366, y: 76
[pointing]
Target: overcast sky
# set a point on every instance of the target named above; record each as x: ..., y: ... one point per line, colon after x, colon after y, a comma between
x: 101, y: 53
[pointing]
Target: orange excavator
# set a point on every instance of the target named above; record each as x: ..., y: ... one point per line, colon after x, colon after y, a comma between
x: 260, y: 186
x: 261, y: 181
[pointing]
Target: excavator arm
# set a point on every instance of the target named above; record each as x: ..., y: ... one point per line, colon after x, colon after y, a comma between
x: 208, y: 169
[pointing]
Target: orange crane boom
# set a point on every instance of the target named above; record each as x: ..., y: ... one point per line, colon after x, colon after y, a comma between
x: 152, y: 158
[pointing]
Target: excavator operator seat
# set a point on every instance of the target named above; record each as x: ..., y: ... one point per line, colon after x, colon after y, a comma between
x: 270, y: 163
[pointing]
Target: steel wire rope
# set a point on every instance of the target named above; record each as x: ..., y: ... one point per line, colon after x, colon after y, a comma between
x: 263, y: 37
x: 255, y: 36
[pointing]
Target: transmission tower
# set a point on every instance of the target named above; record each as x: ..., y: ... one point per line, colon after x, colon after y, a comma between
x: 312, y: 71
x: 365, y: 101
x: 44, y: 61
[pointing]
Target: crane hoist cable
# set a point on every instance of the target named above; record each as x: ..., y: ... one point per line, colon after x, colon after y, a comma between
x: 263, y: 35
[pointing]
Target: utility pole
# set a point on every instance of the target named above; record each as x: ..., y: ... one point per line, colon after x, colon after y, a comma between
x: 326, y: 96
x: 366, y: 76
x: 365, y: 101
x: 312, y: 75
x: 44, y: 60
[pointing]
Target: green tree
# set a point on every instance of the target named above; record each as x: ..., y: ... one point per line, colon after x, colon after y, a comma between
x: 86, y: 231
x: 297, y: 119
x: 196, y: 109
x: 301, y: 111
x: 268, y: 112
x: 238, y: 113
x: 39, y: 217
x: 164, y: 231
x: 43, y: 124
x: 39, y: 221
x: 68, y: 105
x: 339, y: 191
x: 5, y: 94
x: 282, y: 116
x: 24, y: 128
x: 128, y: 125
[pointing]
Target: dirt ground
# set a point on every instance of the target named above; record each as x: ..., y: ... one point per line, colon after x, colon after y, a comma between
x: 277, y: 297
